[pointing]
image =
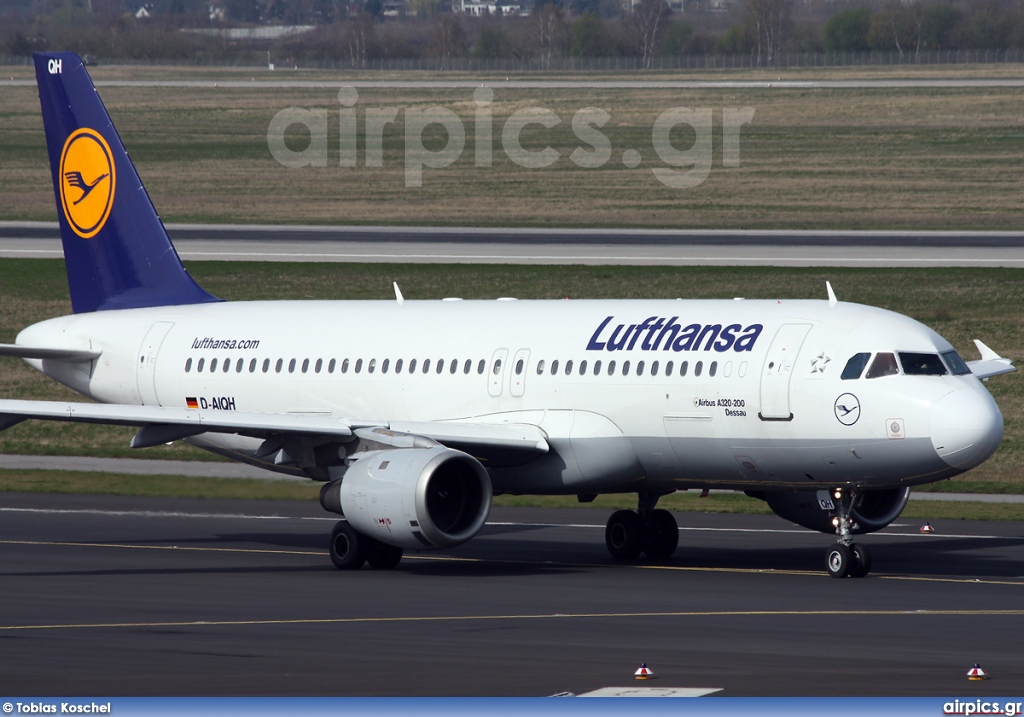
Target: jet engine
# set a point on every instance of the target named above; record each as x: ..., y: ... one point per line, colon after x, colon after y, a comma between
x: 413, y: 498
x: 872, y: 509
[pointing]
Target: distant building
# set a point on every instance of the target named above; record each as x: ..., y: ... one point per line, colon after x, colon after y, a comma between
x: 480, y: 8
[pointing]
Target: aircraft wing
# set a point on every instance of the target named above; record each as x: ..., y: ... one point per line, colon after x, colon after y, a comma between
x: 37, y: 352
x: 173, y: 423
x: 991, y: 363
x: 160, y: 424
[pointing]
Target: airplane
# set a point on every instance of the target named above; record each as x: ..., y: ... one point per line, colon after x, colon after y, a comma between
x: 413, y: 414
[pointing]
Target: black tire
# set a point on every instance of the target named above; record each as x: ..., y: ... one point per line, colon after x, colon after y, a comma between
x: 861, y: 560
x: 661, y: 535
x: 839, y: 561
x: 348, y: 548
x: 624, y: 534
x: 383, y: 556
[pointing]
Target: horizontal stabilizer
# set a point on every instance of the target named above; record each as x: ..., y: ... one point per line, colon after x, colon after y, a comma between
x: 38, y: 352
x: 991, y: 363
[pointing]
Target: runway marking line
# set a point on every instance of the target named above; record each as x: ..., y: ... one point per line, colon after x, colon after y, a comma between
x: 451, y: 559
x: 543, y: 616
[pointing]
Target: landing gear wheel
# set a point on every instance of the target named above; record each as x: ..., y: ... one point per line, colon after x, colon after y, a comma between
x: 624, y: 534
x: 660, y: 535
x: 861, y: 560
x: 348, y: 548
x: 839, y: 561
x: 383, y: 556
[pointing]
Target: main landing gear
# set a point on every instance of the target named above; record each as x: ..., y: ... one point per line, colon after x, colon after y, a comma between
x: 846, y: 559
x: 350, y: 549
x: 652, y: 532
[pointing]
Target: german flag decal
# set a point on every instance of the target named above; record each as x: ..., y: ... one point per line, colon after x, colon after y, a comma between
x: 191, y: 402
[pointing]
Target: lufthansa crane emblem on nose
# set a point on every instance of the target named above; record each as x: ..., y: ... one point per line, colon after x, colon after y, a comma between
x: 847, y: 409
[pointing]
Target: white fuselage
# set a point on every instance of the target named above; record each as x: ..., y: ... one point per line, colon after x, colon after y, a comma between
x: 760, y: 404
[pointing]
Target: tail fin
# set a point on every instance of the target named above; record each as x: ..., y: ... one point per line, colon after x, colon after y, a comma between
x: 117, y: 251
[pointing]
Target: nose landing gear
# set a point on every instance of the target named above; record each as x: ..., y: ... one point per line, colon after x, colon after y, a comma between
x: 846, y: 559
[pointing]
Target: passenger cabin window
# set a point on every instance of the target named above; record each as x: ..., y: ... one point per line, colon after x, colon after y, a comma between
x: 266, y: 365
x: 188, y: 365
x: 412, y: 365
x: 213, y: 365
x: 855, y: 366
x: 568, y: 367
x: 922, y: 364
x: 540, y: 367
x: 957, y: 366
x: 883, y: 365
x: 252, y: 366
x: 480, y: 366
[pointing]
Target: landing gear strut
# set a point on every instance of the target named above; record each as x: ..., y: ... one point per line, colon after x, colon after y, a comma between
x: 350, y: 549
x: 846, y: 559
x: 653, y: 532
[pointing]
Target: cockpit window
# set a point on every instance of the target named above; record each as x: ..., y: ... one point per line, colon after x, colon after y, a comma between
x: 855, y: 366
x: 957, y: 366
x: 883, y: 365
x: 922, y: 364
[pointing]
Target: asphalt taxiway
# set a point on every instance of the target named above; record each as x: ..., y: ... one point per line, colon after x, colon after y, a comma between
x: 129, y: 596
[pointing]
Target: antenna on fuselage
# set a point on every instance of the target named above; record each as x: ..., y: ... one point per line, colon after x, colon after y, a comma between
x: 832, y: 300
x: 398, y: 292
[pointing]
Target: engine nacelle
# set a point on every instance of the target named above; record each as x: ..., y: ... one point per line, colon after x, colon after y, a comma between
x: 873, y: 509
x: 413, y: 498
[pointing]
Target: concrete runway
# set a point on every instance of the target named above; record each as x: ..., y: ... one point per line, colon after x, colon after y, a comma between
x: 129, y: 596
x: 558, y: 246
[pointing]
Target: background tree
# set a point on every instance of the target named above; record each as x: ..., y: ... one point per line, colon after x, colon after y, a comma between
x: 550, y: 32
x: 767, y: 23
x: 358, y: 37
x: 647, y: 21
x: 848, y: 31
x: 448, y: 39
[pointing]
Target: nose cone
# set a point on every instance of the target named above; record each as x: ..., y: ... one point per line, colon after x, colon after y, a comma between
x: 966, y: 427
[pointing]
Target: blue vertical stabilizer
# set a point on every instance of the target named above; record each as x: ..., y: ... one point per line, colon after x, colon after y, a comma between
x: 117, y: 251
